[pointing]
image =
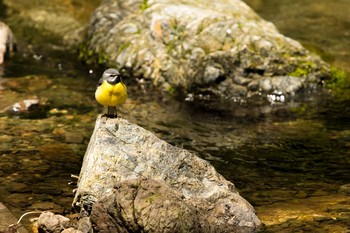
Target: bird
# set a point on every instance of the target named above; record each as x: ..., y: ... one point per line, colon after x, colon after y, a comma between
x: 111, y: 91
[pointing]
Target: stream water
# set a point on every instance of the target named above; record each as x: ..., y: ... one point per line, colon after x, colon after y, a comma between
x: 291, y: 161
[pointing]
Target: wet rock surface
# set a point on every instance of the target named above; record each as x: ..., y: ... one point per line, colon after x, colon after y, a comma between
x: 222, y: 49
x: 54, y: 223
x: 7, y: 42
x: 120, y: 151
x: 28, y: 108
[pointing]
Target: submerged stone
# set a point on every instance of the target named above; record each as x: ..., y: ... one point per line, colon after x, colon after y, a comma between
x: 28, y: 108
x: 49, y: 222
x: 312, y: 214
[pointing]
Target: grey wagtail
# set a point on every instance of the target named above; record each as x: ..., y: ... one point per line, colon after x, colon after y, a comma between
x: 111, y: 91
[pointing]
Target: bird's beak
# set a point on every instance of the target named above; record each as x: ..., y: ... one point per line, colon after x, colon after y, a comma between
x: 114, y: 80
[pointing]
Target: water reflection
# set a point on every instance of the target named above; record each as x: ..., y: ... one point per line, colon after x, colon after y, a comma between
x: 289, y: 152
x: 322, y: 25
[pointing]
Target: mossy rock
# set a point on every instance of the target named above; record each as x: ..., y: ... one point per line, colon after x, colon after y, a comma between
x: 197, y: 48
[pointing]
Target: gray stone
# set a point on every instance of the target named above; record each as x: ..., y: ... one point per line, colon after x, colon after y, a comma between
x: 145, y: 205
x: 7, y: 41
x: 84, y: 225
x: 25, y: 106
x: 196, y: 46
x: 28, y: 108
x: 48, y: 222
x: 120, y: 151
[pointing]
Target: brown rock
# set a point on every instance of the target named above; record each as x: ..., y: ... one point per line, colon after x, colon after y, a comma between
x: 146, y: 205
x: 71, y: 230
x: 51, y: 223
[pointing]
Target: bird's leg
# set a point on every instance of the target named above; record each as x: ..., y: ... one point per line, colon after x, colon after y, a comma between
x: 112, y: 112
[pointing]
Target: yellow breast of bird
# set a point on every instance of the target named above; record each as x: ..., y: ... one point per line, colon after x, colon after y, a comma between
x: 111, y: 95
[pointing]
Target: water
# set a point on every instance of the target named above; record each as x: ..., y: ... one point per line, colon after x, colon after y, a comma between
x: 291, y: 161
x: 322, y: 26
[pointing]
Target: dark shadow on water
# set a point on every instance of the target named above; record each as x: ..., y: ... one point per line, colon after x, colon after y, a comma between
x: 2, y: 11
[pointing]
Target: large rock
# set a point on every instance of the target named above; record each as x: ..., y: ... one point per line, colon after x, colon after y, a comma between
x: 221, y: 48
x: 152, y: 186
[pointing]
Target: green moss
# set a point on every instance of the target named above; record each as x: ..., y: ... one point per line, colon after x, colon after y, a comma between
x: 102, y: 58
x: 304, y: 69
x: 89, y: 56
x: 151, y: 198
x: 174, y: 24
x: 123, y: 46
x: 171, y: 46
x: 144, y: 5
x: 339, y: 84
x: 171, y: 90
x: 339, y: 79
x: 90, y: 53
x: 299, y: 72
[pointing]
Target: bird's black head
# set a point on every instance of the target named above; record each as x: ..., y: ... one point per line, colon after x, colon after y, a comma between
x: 112, y: 76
